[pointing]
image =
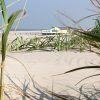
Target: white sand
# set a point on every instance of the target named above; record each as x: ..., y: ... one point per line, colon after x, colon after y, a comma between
x: 42, y: 65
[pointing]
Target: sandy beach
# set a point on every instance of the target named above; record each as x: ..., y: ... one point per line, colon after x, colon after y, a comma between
x: 42, y: 65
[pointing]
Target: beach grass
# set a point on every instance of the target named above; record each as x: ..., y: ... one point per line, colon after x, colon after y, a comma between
x: 8, y: 22
x: 59, y: 42
x: 82, y: 40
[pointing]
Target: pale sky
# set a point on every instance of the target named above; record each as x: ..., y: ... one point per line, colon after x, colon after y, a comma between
x: 42, y: 14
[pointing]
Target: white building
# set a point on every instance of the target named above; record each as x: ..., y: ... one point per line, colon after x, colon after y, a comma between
x: 55, y: 30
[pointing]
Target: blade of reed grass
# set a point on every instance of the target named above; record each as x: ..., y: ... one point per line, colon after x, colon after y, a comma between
x: 5, y: 18
x: 96, y: 3
x: 80, y: 68
x: 11, y: 20
x: 4, y: 11
x: 87, y: 78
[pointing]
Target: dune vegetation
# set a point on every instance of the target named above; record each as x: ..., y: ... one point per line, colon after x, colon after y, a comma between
x: 79, y: 39
x: 49, y: 43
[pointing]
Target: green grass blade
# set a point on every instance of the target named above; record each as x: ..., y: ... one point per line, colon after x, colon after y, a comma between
x: 11, y: 20
x: 4, y: 11
x: 90, y: 36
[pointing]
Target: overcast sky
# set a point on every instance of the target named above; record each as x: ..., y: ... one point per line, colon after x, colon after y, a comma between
x: 42, y: 14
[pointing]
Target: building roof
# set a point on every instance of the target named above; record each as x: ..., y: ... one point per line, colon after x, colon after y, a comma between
x: 63, y: 28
